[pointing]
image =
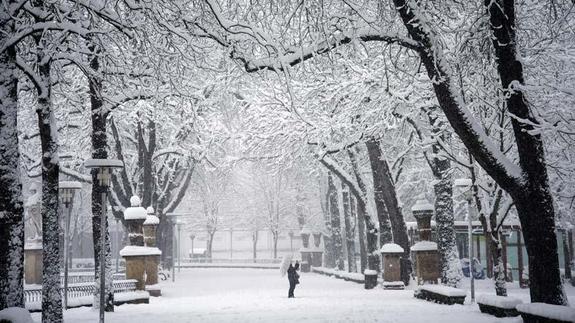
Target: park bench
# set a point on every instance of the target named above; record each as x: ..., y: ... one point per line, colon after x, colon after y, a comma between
x: 441, y: 294
x: 82, y: 294
x: 546, y: 313
x: 499, y: 306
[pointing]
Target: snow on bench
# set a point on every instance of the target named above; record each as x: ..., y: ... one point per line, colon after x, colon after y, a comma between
x: 546, y: 313
x: 441, y: 294
x: 499, y: 306
x: 82, y: 294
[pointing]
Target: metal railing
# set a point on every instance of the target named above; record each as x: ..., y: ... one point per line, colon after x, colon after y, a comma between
x: 33, y: 294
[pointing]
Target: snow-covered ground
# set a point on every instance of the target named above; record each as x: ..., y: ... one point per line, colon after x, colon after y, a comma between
x: 260, y: 295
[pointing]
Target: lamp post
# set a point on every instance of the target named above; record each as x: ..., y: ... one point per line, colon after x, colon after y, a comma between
x: 175, y: 243
x: 67, y: 191
x: 104, y: 171
x: 466, y: 184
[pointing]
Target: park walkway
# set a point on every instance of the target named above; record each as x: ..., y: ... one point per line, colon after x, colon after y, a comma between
x: 260, y: 295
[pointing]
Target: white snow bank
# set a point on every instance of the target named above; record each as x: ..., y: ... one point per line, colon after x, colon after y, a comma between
x: 424, y: 246
x: 369, y: 272
x: 69, y: 185
x: 398, y: 283
x: 391, y: 248
x: 505, y: 302
x: 462, y: 182
x: 357, y: 277
x: 152, y: 220
x: 555, y: 312
x: 139, y: 251
x: 16, y: 315
x: 33, y: 245
x: 444, y: 290
x: 135, y: 213
x: 90, y: 163
x: 131, y: 296
x: 422, y: 205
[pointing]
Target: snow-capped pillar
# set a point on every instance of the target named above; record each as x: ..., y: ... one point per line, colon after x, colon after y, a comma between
x: 306, y: 257
x: 149, y: 227
x: 152, y: 261
x: 425, y: 251
x: 316, y: 251
x: 135, y: 217
x: 392, y: 266
x: 423, y: 211
x: 135, y: 254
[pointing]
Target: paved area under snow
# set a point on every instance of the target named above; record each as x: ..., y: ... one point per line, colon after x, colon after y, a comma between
x: 260, y: 295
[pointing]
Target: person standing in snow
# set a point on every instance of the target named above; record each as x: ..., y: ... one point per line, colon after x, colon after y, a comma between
x: 293, y: 278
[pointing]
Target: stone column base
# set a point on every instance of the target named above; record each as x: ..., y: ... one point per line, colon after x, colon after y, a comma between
x: 135, y: 269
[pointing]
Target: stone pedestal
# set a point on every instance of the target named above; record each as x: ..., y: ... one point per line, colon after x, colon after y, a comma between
x: 33, y: 262
x: 317, y: 258
x: 135, y: 269
x: 138, y: 260
x: 152, y: 261
x: 392, y: 266
x: 425, y: 252
x: 426, y: 263
x: 306, y: 257
x: 152, y: 265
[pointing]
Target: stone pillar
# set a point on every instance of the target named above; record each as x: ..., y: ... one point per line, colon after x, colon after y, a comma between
x: 134, y: 254
x: 152, y: 261
x: 392, y: 266
x: 134, y: 217
x: 33, y: 261
x: 425, y: 251
x: 316, y: 251
x: 306, y: 256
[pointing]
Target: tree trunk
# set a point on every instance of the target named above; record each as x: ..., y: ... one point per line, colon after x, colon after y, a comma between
x: 499, y: 269
x: 335, y: 224
x: 99, y: 150
x: 51, y: 297
x: 210, y: 244
x: 164, y: 238
x: 255, y: 244
x: 361, y: 232
x: 451, y: 273
x: 275, y: 236
x: 12, y: 215
x: 329, y: 258
x: 385, y: 233
x: 373, y: 259
x: 566, y: 255
x: 349, y: 231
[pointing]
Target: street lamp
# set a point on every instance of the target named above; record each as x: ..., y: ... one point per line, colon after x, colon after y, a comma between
x: 67, y: 191
x: 177, y: 225
x: 103, y: 175
x: 466, y: 185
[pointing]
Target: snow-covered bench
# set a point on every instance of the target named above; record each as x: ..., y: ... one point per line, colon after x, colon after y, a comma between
x: 546, y: 313
x: 441, y: 294
x: 499, y: 306
x: 82, y: 294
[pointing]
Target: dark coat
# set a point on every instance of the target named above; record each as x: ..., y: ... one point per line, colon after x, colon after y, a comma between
x: 293, y: 276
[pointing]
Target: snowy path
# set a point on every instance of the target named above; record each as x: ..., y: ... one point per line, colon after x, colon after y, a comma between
x: 252, y: 295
